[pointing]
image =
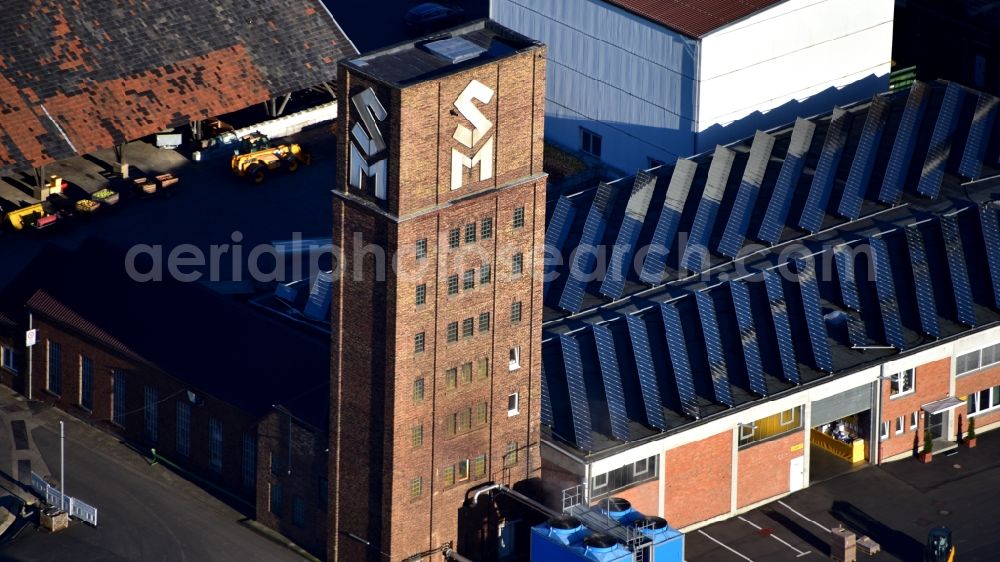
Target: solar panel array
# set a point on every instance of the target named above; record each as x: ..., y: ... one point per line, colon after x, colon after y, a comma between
x: 844, y: 257
x: 748, y: 337
x: 904, y: 144
x: 557, y: 231
x: 677, y: 348
x: 864, y: 159
x: 547, y: 417
x: 669, y: 222
x: 753, y: 176
x: 976, y: 144
x: 579, y: 404
x: 613, y: 390
x: 826, y: 171
x: 696, y: 251
x: 624, y: 248
x: 959, y: 272
x: 813, y: 311
x: 584, y: 260
x: 713, y: 343
x: 941, y: 139
x: 926, y: 307
x: 782, y: 326
x: 647, y: 372
x: 791, y: 170
x: 990, y: 222
x: 886, y: 289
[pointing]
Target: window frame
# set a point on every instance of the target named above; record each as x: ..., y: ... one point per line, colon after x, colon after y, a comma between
x: 248, y: 460
x: 418, y: 389
x: 182, y: 439
x: 53, y: 349
x: 516, y: 311
x: 8, y: 359
x: 468, y: 327
x: 453, y: 284
x: 518, y: 218
x: 486, y: 229
x: 511, y: 412
x: 900, y: 424
x: 420, y: 296
x: 86, y: 383
x: 454, y: 238
x: 215, y: 445
x: 914, y: 420
x: 484, y: 321
x: 894, y: 381
x: 467, y: 372
x: 590, y: 142
x: 993, y: 393
x: 298, y: 512
x: 452, y: 332
x: 469, y: 280
x: 884, y: 428
x: 451, y: 378
x: 514, y: 358
x: 151, y: 401
x: 419, y: 342
x: 462, y: 471
x: 421, y: 249
x: 417, y: 436
x: 416, y: 487
x: 517, y: 264
x: 485, y: 274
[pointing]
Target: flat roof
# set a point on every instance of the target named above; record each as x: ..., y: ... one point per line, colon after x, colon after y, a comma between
x: 694, y: 18
x: 843, y: 281
x: 413, y: 62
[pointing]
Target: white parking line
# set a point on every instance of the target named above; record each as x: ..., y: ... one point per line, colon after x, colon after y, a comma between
x: 789, y: 508
x: 711, y: 538
x: 775, y: 537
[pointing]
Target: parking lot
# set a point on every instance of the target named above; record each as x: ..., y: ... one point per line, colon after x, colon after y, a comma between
x: 896, y: 505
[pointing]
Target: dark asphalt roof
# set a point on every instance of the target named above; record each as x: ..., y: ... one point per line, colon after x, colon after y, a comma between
x: 76, y: 77
x: 219, y: 346
x: 666, y: 348
x: 694, y: 18
x: 410, y: 62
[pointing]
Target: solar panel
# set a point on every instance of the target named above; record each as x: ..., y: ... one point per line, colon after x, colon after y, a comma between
x: 791, y: 169
x: 940, y: 147
x: 856, y: 330
x: 904, y: 144
x: 556, y: 233
x: 748, y: 336
x: 746, y: 197
x: 547, y: 417
x: 844, y: 258
x: 813, y: 310
x: 926, y: 306
x: 991, y: 235
x: 826, y: 171
x: 613, y: 390
x: 670, y: 219
x: 578, y: 402
x: 320, y: 297
x: 696, y: 251
x: 635, y: 215
x: 713, y: 343
x: 979, y: 136
x: 886, y: 290
x: 782, y: 327
x: 646, y: 370
x: 677, y: 348
x: 585, y: 257
x: 864, y: 159
x: 959, y: 272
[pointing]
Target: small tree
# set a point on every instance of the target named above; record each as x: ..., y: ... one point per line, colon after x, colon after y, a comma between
x: 928, y: 442
x: 971, y: 434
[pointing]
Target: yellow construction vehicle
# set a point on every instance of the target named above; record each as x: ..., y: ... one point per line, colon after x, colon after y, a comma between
x: 39, y: 215
x: 256, y: 157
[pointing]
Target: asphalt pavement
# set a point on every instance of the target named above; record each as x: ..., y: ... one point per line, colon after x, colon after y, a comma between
x: 895, y: 504
x: 145, y: 512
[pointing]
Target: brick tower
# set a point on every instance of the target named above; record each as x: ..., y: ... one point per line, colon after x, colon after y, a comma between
x: 440, y: 214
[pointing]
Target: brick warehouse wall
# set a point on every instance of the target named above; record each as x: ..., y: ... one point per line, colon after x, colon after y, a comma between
x: 931, y: 382
x: 763, y: 468
x: 698, y: 480
x: 301, y: 472
x: 421, y: 205
x: 972, y: 383
x: 169, y: 391
x: 645, y: 497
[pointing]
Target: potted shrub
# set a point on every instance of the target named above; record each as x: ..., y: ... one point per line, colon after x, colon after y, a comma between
x: 928, y: 452
x: 970, y: 436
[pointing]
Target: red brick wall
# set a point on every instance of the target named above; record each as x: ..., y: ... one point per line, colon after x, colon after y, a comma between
x: 645, y: 498
x: 698, y: 480
x: 299, y: 475
x: 931, y: 383
x: 375, y: 322
x: 763, y: 468
x: 972, y: 383
x: 169, y: 391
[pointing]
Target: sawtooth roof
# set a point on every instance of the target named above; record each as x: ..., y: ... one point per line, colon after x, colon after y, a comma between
x: 79, y: 76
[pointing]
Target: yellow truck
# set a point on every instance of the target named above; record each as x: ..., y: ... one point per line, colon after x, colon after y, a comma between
x: 257, y: 158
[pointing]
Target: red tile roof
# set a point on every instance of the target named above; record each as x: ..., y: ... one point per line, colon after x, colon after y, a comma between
x: 694, y: 18
x: 79, y: 76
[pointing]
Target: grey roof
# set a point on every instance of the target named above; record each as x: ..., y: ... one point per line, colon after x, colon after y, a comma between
x: 914, y: 270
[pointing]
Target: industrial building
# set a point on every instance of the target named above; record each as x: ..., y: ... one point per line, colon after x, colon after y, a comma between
x: 834, y: 293
x: 436, y: 359
x: 634, y: 83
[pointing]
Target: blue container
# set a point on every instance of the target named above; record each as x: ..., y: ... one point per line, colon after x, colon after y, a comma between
x: 565, y: 539
x: 668, y: 543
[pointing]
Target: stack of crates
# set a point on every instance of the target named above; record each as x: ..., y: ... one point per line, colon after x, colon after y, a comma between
x: 843, y: 545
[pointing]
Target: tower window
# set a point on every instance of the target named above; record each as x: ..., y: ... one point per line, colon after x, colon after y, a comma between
x: 469, y: 280
x: 485, y: 274
x: 517, y: 264
x: 484, y: 322
x: 512, y: 404
x: 422, y: 249
x: 486, y: 230
x: 451, y: 377
x: 470, y: 233
x: 453, y: 331
x: 519, y: 217
x: 515, y: 358
x: 421, y: 294
x: 515, y: 311
x: 453, y: 284
x: 418, y: 389
x: 453, y: 238
x: 418, y: 343
x: 468, y: 327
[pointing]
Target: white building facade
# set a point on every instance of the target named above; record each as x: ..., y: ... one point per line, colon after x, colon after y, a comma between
x: 634, y: 91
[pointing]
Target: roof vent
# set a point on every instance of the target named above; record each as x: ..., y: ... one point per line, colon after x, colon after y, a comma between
x: 454, y: 49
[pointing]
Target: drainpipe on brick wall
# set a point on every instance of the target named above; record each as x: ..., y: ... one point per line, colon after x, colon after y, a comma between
x: 31, y: 325
x: 876, y: 422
